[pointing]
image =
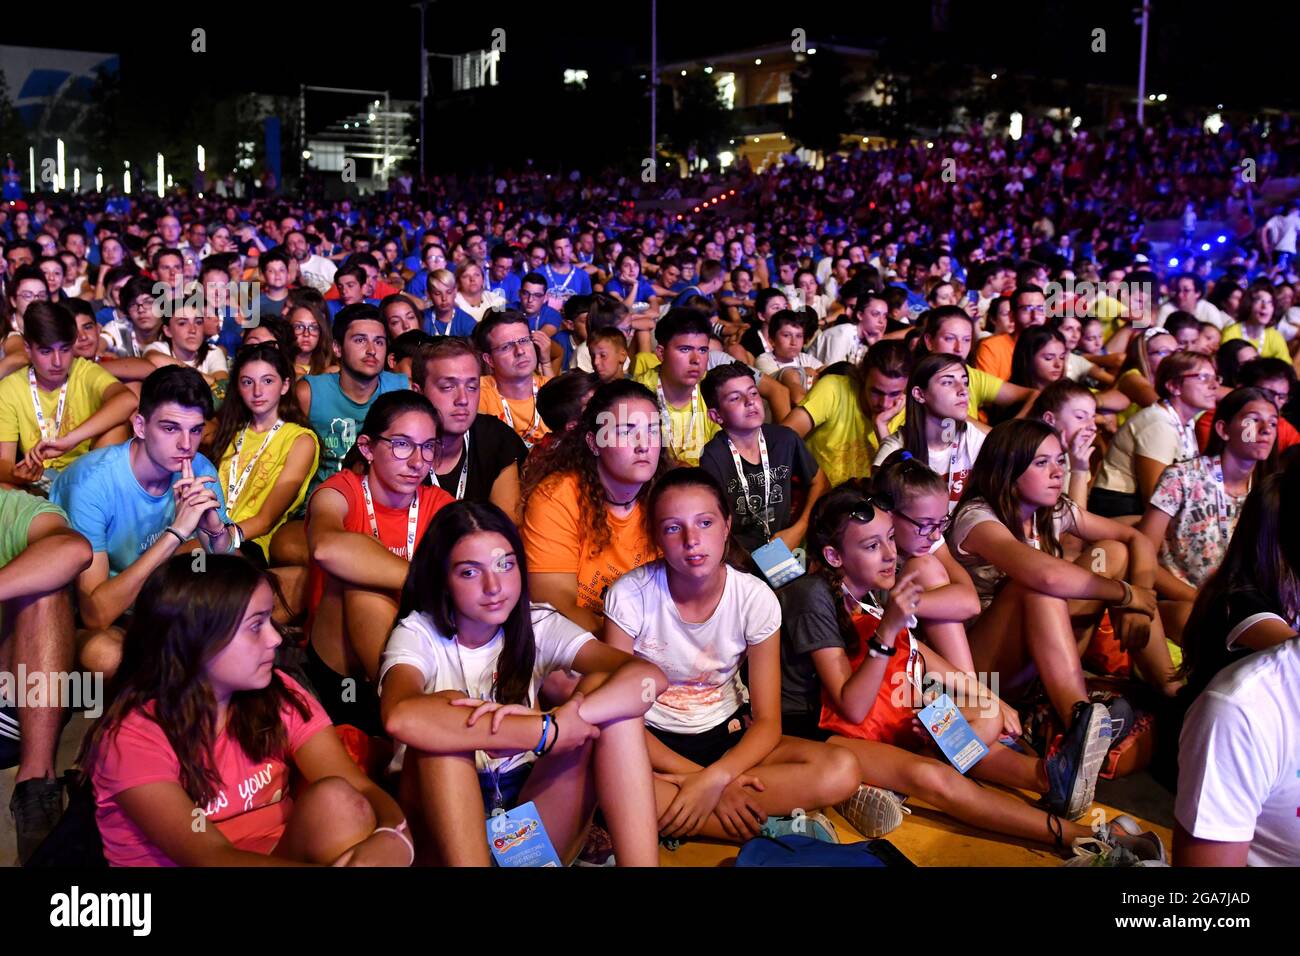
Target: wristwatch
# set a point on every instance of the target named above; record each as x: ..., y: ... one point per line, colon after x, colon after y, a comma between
x: 876, y: 649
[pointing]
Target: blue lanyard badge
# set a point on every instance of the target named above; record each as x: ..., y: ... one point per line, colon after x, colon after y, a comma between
x: 518, y: 838
x: 952, y: 733
x: 778, y: 563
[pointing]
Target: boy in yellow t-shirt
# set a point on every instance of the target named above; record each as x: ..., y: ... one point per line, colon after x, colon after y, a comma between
x: 52, y: 410
x: 683, y: 351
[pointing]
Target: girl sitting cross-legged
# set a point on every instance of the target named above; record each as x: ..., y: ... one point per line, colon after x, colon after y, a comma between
x: 459, y: 685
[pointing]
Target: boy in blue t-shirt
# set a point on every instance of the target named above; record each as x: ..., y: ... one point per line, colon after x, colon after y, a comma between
x: 138, y: 503
x: 336, y: 403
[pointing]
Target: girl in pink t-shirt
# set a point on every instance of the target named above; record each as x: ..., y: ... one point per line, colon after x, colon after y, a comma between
x: 192, y: 762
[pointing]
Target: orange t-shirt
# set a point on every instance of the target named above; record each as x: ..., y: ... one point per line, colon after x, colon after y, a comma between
x: 994, y: 355
x: 523, y: 417
x: 886, y: 722
x: 555, y: 542
x: 1286, y: 432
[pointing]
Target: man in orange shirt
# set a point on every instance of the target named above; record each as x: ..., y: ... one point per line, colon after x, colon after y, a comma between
x: 519, y: 362
x: 1028, y: 308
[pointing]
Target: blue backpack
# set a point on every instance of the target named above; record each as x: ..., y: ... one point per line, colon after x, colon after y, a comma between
x: 798, y: 850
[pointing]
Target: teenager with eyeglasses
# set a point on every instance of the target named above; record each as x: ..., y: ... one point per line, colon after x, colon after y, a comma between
x: 362, y: 530
x: 851, y: 649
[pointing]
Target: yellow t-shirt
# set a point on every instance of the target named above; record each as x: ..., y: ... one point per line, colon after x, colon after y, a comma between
x: 523, y: 417
x: 1110, y: 311
x: 270, y: 463
x: 684, y: 438
x: 843, y: 441
x: 87, y: 383
x: 1273, y: 346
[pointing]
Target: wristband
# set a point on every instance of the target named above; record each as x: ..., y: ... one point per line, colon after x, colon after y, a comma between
x: 404, y: 838
x: 170, y: 530
x: 546, y: 725
x: 876, y: 649
x: 1128, y: 594
x: 554, y: 739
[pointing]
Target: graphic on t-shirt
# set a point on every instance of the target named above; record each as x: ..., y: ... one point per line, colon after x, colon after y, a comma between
x: 248, y: 789
x: 342, y: 436
x: 749, y: 505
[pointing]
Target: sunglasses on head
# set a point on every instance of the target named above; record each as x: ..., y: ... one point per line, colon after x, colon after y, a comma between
x: 866, y: 512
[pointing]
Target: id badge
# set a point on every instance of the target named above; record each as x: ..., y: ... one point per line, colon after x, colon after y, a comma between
x: 518, y: 838
x: 952, y: 733
x: 778, y: 563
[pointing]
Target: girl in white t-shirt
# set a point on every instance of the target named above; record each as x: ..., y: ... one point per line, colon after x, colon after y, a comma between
x: 469, y: 646
x: 183, y: 341
x: 723, y: 769
x: 936, y: 429
x: 1007, y: 532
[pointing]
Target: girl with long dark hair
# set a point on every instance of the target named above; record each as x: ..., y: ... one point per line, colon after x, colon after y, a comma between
x: 874, y: 676
x: 1038, y: 607
x: 191, y: 760
x: 469, y: 644
x: 936, y: 430
x: 264, y: 445
x: 722, y: 766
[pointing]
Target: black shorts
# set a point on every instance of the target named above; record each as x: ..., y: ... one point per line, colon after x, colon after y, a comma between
x: 804, y: 726
x: 354, y: 702
x: 1114, y: 504
x: 708, y: 746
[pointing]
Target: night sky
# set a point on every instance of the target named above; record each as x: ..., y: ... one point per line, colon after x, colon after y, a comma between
x: 1232, y: 52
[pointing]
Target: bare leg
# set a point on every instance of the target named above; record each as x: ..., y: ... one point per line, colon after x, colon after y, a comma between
x: 100, y: 652
x: 329, y: 817
x: 943, y: 787
x: 289, y: 545
x: 1174, y: 615
x: 368, y: 620
x: 948, y: 638
x: 42, y: 640
x: 442, y: 799
x: 1001, y: 643
x: 293, y: 585
x: 797, y: 774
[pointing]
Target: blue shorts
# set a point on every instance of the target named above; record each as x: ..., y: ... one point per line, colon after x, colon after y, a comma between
x: 507, y: 785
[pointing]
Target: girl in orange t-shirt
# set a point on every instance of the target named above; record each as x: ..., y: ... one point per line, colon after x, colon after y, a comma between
x: 584, y: 501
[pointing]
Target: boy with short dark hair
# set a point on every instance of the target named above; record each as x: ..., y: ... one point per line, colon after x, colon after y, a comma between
x: 757, y: 465
x: 683, y: 353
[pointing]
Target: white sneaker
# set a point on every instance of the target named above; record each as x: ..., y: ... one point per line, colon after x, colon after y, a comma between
x: 1119, y: 842
x: 873, y: 812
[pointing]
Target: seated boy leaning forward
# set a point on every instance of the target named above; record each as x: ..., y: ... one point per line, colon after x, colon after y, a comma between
x: 139, y: 503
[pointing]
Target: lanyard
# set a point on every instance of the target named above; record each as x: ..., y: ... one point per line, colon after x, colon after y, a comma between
x: 412, y: 517
x: 236, y: 488
x: 913, y: 651
x: 953, y: 457
x: 761, y: 512
x: 562, y: 286
x: 510, y: 419
x: 666, y: 417
x: 53, y: 430
x: 1186, y: 434
x: 1221, y: 499
x: 464, y: 471
x: 1032, y: 538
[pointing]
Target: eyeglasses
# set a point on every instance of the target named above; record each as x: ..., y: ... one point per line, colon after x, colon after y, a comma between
x: 1278, y: 398
x: 404, y: 448
x: 928, y: 528
x: 1205, y: 378
x: 505, y: 348
x: 32, y: 296
x: 531, y: 295
x: 1034, y: 309
x: 306, y: 328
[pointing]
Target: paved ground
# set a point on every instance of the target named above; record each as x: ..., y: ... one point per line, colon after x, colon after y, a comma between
x: 926, y: 837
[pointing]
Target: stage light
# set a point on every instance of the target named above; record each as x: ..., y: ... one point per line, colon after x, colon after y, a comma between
x: 203, y: 159
x: 1221, y: 240
x: 1173, y: 263
x: 993, y: 76
x: 162, y: 184
x: 1205, y: 247
x: 758, y: 61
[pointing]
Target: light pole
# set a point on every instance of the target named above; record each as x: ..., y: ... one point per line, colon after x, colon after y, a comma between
x: 423, y: 7
x: 654, y: 81
x: 1145, y: 10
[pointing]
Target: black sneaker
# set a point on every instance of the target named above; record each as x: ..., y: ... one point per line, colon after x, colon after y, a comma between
x: 1072, y: 769
x: 37, y: 805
